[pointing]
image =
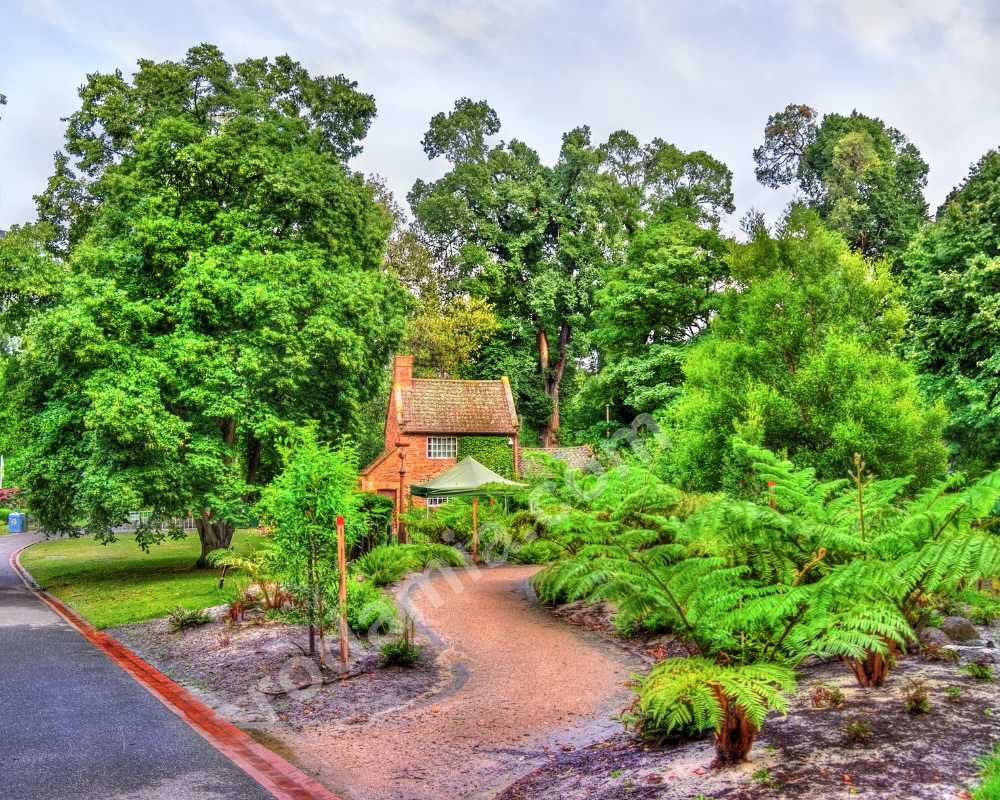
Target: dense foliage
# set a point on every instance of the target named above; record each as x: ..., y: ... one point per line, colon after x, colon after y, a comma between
x: 492, y: 452
x: 534, y: 240
x: 863, y: 177
x: 752, y: 587
x: 221, y: 283
x: 802, y: 358
x: 953, y: 271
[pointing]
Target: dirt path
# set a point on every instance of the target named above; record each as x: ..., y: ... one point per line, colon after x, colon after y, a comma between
x: 524, y: 685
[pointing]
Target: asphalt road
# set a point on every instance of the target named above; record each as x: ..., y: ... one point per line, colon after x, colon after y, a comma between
x: 73, y: 725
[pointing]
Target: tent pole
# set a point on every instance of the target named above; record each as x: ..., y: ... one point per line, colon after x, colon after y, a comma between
x: 475, y: 529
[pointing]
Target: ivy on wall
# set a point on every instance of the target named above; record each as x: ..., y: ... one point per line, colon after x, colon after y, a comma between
x: 490, y: 451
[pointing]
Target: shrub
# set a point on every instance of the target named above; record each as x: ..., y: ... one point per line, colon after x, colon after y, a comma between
x: 401, y: 651
x: 915, y: 697
x: 653, y: 728
x: 826, y: 695
x: 695, y: 693
x: 935, y: 651
x: 389, y: 563
x: 983, y: 608
x: 368, y: 609
x: 377, y: 511
x: 989, y: 789
x: 259, y: 567
x: 954, y: 694
x: 981, y: 672
x: 181, y: 618
x: 859, y: 731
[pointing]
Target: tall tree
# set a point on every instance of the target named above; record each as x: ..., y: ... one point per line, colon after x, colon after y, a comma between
x: 225, y: 285
x: 801, y: 358
x: 864, y: 177
x: 650, y: 308
x: 534, y: 240
x: 445, y: 339
x: 953, y: 271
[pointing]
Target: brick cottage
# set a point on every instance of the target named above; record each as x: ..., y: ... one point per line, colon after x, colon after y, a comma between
x: 425, y: 422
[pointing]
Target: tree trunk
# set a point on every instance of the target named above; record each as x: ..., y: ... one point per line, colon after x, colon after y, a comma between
x: 213, y: 536
x: 873, y: 669
x: 552, y: 379
x: 734, y: 740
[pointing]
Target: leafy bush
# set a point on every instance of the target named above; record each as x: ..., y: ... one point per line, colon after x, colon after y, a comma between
x: 696, y: 693
x: 989, y: 789
x: 954, y: 694
x: 401, y: 651
x: 916, y: 699
x: 377, y: 511
x: 368, y: 609
x: 181, y: 618
x: 859, y: 731
x: 826, y: 695
x: 981, y: 672
x: 935, y: 651
x: 259, y: 567
x: 982, y: 608
x: 389, y: 563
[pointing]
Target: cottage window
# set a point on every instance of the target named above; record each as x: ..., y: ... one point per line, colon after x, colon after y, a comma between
x: 434, y: 502
x: 442, y: 447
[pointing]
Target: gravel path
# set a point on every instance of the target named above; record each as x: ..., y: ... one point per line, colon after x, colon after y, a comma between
x: 525, y: 686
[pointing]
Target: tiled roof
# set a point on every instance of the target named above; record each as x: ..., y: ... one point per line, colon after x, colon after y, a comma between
x: 581, y: 457
x: 447, y: 406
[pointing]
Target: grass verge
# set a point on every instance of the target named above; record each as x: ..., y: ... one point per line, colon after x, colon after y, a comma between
x: 118, y: 583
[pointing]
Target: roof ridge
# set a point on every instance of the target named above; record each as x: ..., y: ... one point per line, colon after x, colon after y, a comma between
x: 458, y: 380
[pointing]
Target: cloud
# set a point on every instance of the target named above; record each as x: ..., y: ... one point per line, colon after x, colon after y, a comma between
x: 702, y: 75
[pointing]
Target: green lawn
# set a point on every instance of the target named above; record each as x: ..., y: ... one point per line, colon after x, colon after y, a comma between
x: 117, y: 583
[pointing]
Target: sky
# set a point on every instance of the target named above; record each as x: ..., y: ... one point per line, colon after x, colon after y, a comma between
x: 703, y: 75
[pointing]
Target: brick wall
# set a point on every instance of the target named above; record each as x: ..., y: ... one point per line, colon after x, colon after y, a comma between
x: 419, y: 468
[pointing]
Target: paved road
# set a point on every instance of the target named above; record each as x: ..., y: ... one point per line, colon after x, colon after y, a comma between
x: 74, y: 726
x: 531, y: 683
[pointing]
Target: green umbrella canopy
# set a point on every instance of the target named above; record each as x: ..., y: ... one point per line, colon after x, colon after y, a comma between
x: 466, y: 479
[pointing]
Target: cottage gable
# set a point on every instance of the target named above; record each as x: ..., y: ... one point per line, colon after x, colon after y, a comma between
x: 424, y: 421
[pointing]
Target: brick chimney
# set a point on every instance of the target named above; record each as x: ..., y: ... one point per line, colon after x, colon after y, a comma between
x: 402, y: 372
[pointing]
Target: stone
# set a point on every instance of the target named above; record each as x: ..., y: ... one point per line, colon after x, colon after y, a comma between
x: 959, y: 629
x: 933, y: 636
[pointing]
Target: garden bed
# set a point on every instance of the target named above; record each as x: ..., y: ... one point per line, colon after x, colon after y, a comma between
x: 808, y: 754
x: 250, y: 672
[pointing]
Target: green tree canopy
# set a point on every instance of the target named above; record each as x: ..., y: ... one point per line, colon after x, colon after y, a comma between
x: 801, y: 359
x: 533, y: 240
x: 953, y: 270
x: 649, y: 308
x: 225, y: 284
x: 864, y: 177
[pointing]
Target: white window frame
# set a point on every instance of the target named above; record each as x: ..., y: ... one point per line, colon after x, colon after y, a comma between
x: 434, y: 502
x: 442, y: 447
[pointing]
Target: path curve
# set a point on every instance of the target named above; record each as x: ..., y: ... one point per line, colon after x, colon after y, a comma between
x: 528, y: 684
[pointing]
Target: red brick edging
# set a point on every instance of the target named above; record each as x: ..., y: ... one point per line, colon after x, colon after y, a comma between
x: 282, y: 779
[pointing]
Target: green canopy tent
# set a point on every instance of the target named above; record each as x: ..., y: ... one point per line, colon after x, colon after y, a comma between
x: 468, y: 478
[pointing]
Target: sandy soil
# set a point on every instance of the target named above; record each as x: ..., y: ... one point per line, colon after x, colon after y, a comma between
x: 526, y: 686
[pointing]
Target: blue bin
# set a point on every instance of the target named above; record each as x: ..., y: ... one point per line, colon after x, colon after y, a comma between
x: 16, y: 523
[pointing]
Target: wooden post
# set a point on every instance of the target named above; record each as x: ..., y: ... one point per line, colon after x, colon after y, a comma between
x: 400, y: 498
x: 342, y: 568
x: 475, y: 529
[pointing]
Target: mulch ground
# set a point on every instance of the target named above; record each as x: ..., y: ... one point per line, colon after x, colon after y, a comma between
x: 807, y: 754
x: 252, y: 672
